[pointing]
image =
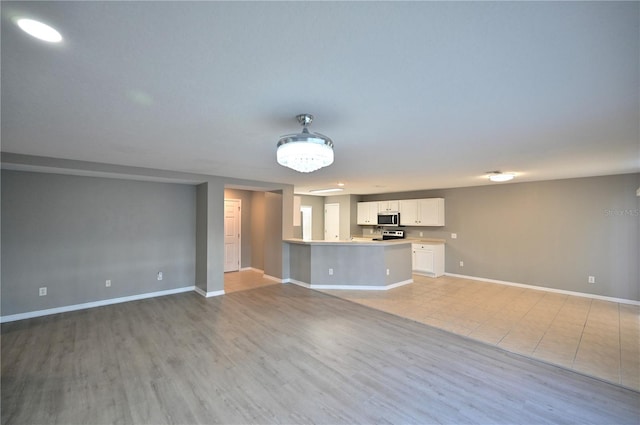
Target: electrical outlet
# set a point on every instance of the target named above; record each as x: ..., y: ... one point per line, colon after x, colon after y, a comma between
x: 387, y: 272
x: 330, y: 272
x: 592, y: 279
x: 461, y: 263
x: 159, y: 275
x: 107, y: 283
x: 42, y: 291
x: 454, y: 236
x: 421, y: 234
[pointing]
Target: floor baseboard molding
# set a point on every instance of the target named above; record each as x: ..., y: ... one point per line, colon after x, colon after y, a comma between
x: 253, y: 269
x: 543, y: 288
x: 93, y: 304
x: 208, y: 294
x: 297, y: 282
x: 350, y: 287
x: 275, y: 279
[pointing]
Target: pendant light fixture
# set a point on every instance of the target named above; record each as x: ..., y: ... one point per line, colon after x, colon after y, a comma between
x: 305, y: 152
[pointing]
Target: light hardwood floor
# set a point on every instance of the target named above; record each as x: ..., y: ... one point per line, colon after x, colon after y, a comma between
x: 246, y: 279
x: 279, y: 354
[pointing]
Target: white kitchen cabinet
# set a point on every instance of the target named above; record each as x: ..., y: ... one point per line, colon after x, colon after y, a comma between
x: 388, y: 206
x: 408, y: 212
x: 367, y: 213
x: 422, y: 212
x: 428, y: 259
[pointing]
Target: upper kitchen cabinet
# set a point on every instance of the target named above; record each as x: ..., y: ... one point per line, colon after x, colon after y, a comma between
x: 368, y: 213
x: 388, y: 206
x: 422, y: 212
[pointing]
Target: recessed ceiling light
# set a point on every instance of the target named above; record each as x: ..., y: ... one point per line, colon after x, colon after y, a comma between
x: 334, y: 189
x: 498, y: 176
x: 39, y: 30
x: 340, y: 184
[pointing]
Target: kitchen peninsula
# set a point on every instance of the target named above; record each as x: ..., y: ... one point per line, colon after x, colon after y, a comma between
x: 369, y: 265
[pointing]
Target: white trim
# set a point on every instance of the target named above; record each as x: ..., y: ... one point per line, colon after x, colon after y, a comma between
x: 208, y: 294
x: 426, y: 274
x: 351, y: 287
x: 276, y: 279
x: 543, y: 288
x: 297, y: 282
x: 244, y: 269
x: 39, y: 313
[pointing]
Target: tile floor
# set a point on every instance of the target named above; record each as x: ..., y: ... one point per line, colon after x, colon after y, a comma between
x: 594, y: 337
x: 597, y: 338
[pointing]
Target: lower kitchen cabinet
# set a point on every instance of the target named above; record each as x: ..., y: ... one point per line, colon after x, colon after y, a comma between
x: 428, y: 259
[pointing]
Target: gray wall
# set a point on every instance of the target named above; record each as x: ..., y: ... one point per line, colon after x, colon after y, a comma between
x: 72, y: 233
x: 352, y: 264
x: 257, y: 230
x: 552, y: 233
x: 300, y: 263
x: 201, y: 236
x: 273, y: 245
x: 209, y: 241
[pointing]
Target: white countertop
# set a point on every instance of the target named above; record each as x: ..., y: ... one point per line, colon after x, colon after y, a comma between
x: 358, y: 241
x: 427, y: 241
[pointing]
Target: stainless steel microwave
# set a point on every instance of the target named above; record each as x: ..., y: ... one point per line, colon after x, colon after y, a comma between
x: 389, y: 219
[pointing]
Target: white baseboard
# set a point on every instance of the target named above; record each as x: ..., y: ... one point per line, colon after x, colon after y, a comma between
x: 350, y: 287
x: 39, y: 313
x: 244, y: 269
x: 297, y: 282
x: 208, y: 294
x: 543, y: 288
x: 275, y: 279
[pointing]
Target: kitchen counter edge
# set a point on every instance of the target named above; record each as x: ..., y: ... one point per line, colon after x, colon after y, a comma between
x: 350, y: 242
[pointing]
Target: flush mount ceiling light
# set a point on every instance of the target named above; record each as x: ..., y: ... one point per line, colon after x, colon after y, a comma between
x: 334, y: 189
x: 305, y: 152
x: 499, y: 176
x: 39, y: 30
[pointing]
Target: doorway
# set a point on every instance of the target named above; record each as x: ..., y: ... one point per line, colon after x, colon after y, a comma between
x: 232, y: 211
x: 307, y: 226
x: 332, y: 222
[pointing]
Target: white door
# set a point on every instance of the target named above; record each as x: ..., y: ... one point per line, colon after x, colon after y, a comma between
x: 332, y: 222
x: 306, y: 222
x: 231, y: 235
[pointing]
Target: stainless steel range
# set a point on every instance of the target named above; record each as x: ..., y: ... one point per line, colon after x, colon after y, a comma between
x: 391, y: 234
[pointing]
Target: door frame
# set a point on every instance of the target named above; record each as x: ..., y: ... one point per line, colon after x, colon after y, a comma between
x: 239, y: 202
x: 303, y: 209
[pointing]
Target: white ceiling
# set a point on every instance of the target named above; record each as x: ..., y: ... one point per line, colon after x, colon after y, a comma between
x: 415, y: 95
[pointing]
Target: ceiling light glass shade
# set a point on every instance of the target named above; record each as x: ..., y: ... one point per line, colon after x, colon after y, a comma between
x: 333, y: 189
x: 501, y: 177
x: 39, y: 30
x: 305, y: 152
